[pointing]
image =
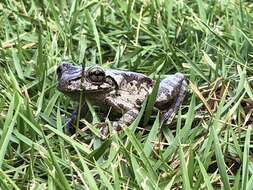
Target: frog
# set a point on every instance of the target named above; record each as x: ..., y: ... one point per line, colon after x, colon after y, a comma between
x: 119, y: 91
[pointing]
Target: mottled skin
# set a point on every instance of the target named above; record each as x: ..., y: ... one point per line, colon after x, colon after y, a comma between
x: 121, y: 91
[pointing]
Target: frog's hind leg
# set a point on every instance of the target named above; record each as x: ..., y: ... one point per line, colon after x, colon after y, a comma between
x: 167, y: 115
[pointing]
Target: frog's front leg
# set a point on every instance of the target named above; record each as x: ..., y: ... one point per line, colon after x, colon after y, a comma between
x: 126, y: 119
x: 70, y: 127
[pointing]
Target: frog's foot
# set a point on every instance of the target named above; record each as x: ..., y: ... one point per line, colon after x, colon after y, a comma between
x: 71, y: 125
x: 104, y: 129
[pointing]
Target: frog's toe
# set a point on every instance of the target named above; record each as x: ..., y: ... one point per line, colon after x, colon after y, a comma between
x: 167, y: 117
x: 104, y: 132
x: 116, y: 126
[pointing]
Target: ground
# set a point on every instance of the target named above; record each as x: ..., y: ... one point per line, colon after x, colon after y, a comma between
x: 208, y: 144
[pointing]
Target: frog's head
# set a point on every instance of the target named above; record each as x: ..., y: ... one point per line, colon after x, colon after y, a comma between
x: 72, y: 80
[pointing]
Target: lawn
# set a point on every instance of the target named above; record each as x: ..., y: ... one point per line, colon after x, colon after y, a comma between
x: 208, y: 144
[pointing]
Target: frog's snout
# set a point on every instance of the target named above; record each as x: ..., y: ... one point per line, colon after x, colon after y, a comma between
x: 61, y: 69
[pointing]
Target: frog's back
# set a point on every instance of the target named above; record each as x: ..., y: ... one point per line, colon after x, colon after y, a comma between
x: 128, y: 76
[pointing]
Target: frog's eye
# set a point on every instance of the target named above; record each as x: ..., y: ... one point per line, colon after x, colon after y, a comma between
x: 96, y: 74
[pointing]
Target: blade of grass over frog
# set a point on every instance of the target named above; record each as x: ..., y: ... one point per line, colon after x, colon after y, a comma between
x: 68, y: 139
x: 205, y: 175
x: 95, y: 118
x: 183, y: 168
x: 245, y: 161
x: 151, y: 102
x: 151, y: 137
x: 92, y: 25
x: 9, y: 123
x: 87, y: 173
x: 81, y: 104
x: 134, y: 125
x: 194, y: 66
x: 52, y: 157
x: 168, y: 7
x: 138, y: 147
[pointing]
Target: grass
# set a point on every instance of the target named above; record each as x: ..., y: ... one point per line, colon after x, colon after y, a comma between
x: 207, y: 146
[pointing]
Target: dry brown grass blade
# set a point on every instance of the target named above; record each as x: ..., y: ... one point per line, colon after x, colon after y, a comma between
x: 201, y: 97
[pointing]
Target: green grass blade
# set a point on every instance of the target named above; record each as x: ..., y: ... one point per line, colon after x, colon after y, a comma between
x: 220, y: 159
x: 9, y: 125
x: 92, y: 26
x: 148, y: 146
x: 245, y: 161
x: 205, y: 175
x: 136, y: 144
x: 184, y: 170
